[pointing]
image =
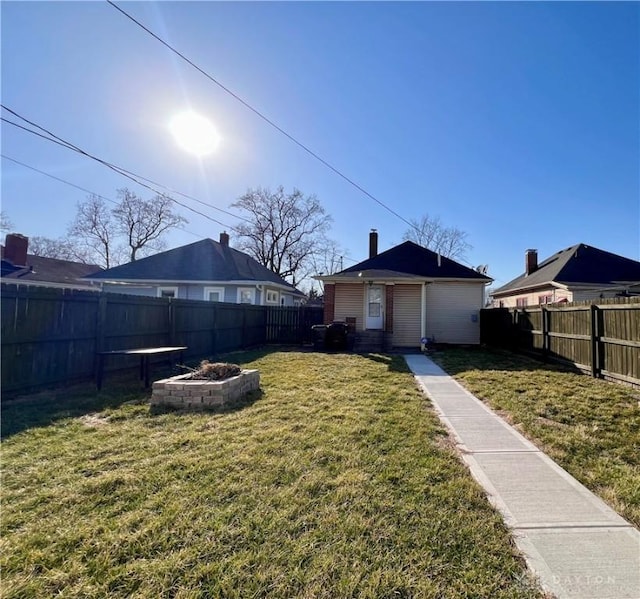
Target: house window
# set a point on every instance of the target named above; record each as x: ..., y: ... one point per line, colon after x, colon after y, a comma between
x: 545, y: 299
x: 246, y: 295
x: 297, y: 302
x: 214, y: 294
x: 521, y: 302
x: 272, y: 296
x: 167, y: 292
x: 282, y: 301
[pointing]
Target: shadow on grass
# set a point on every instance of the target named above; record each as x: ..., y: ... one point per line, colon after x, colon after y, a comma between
x: 44, y: 408
x: 393, y: 362
x: 47, y: 407
x: 458, y: 360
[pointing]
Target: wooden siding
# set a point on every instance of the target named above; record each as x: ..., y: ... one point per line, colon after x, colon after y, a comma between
x: 453, y: 311
x: 406, y: 315
x: 349, y: 302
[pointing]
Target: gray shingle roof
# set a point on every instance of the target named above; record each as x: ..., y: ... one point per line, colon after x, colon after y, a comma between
x: 578, y: 264
x: 205, y: 260
x: 410, y: 258
x: 51, y: 270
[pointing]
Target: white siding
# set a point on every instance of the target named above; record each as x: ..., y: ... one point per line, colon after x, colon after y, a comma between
x: 406, y: 315
x: 453, y: 312
x: 349, y: 302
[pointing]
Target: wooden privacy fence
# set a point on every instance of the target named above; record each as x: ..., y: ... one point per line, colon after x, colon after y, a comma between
x: 51, y: 336
x: 601, y: 338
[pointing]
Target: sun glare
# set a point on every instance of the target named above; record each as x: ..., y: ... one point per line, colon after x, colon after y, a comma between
x: 194, y: 133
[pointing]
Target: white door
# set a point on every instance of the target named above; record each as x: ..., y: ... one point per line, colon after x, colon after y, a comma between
x: 373, y: 307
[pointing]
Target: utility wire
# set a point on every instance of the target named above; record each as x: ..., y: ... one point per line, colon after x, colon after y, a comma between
x: 33, y: 168
x: 122, y: 172
x: 119, y: 169
x: 262, y: 116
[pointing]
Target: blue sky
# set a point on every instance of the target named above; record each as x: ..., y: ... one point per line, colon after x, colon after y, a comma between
x: 515, y: 122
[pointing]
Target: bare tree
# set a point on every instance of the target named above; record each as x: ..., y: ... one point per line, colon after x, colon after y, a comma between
x: 93, y: 232
x: 429, y: 232
x: 5, y: 222
x: 285, y: 232
x: 134, y: 227
x: 61, y: 249
x: 143, y: 222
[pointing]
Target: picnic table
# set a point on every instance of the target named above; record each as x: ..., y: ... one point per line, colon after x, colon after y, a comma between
x: 144, y: 352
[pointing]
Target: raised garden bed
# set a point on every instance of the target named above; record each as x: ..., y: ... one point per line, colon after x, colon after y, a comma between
x: 186, y: 392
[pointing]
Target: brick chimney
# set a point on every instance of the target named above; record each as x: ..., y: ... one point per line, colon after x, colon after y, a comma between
x: 373, y: 243
x: 15, y: 249
x: 530, y: 261
x: 224, y: 239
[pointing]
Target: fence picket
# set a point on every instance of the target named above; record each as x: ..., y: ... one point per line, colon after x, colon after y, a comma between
x: 51, y: 336
x: 602, y: 338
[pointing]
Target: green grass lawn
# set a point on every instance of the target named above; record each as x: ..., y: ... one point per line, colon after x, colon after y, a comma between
x: 337, y: 481
x: 590, y: 427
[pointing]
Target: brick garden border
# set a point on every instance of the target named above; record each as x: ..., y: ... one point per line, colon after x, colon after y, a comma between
x: 179, y: 392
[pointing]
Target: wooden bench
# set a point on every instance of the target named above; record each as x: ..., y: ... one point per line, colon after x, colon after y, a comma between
x: 143, y: 352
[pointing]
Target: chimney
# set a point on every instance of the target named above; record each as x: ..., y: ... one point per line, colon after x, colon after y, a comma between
x: 531, y: 261
x: 15, y: 250
x: 224, y: 239
x: 373, y: 243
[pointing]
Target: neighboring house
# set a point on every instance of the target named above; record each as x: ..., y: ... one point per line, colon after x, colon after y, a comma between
x: 578, y: 273
x: 204, y: 270
x: 405, y: 294
x: 18, y: 266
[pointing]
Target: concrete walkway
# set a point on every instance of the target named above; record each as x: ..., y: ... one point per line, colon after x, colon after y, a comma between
x: 573, y: 542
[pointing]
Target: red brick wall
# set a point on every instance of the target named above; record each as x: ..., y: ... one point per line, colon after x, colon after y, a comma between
x: 329, y: 303
x: 388, y: 320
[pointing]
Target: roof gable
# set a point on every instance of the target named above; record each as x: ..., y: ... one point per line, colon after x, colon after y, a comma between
x: 413, y: 259
x: 205, y: 260
x: 578, y: 264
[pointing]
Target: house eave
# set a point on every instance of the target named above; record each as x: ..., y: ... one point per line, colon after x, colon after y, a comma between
x: 398, y: 280
x: 212, y: 283
x: 527, y: 289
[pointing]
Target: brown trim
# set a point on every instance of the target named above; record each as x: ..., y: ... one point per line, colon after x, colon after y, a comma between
x: 388, y: 318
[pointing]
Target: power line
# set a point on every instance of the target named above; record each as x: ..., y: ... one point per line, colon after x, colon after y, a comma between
x: 62, y: 142
x: 262, y: 116
x: 33, y: 168
x: 121, y: 170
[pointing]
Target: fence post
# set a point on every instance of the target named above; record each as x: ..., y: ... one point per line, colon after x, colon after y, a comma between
x: 101, y: 317
x: 172, y: 322
x: 595, y: 338
x: 214, y: 328
x: 243, y: 342
x: 544, y: 317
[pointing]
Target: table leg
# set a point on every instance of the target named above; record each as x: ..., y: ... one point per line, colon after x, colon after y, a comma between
x: 146, y: 372
x: 99, y: 373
